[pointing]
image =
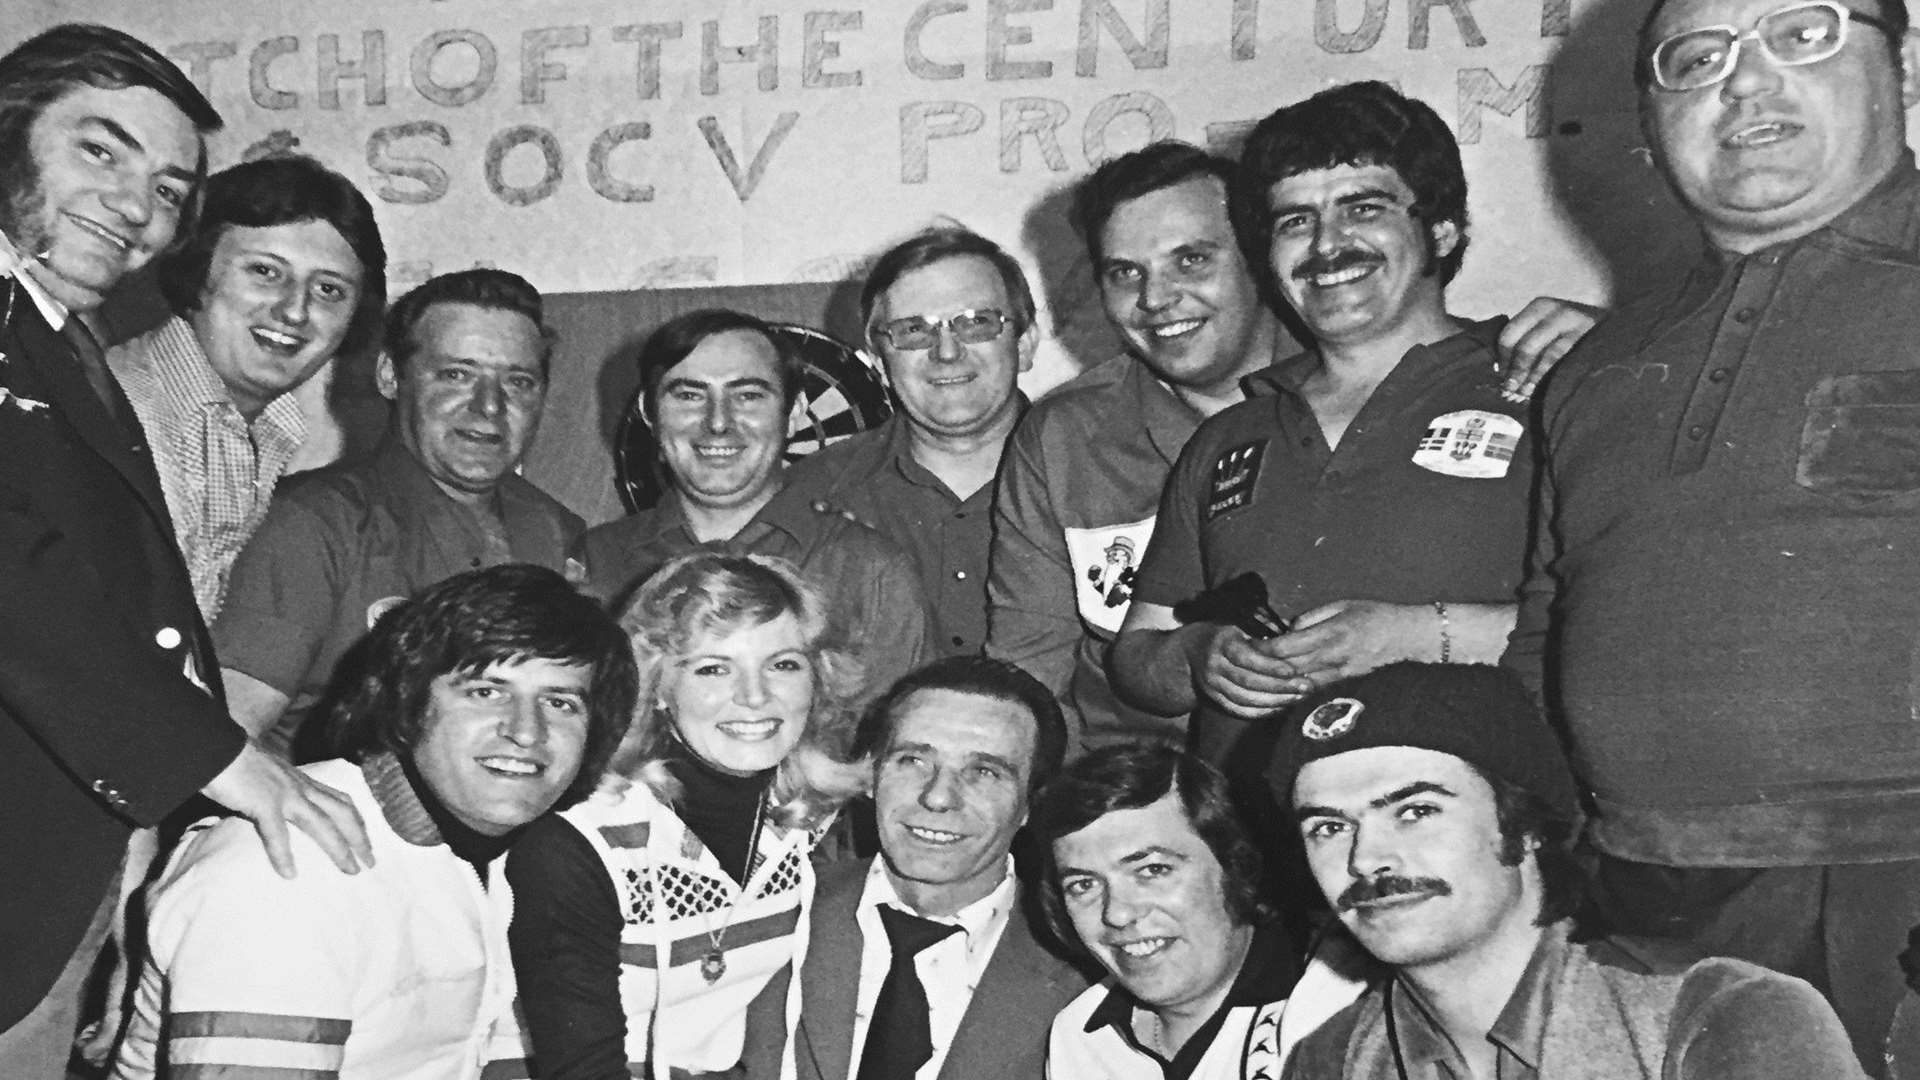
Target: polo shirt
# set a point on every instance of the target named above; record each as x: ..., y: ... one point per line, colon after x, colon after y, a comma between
x: 217, y: 470
x: 1597, y: 1010
x: 869, y: 583
x: 1093, y: 1035
x: 342, y: 545
x: 1729, y: 503
x: 1426, y: 497
x: 1081, y: 475
x: 875, y: 477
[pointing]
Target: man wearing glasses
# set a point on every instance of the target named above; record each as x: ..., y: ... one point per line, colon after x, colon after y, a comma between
x: 952, y: 319
x: 1731, y: 487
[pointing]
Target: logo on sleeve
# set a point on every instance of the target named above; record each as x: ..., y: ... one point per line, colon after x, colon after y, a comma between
x: 1235, y: 473
x: 1105, y: 562
x: 1473, y: 444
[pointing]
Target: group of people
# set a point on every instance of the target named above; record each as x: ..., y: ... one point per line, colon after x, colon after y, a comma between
x: 1293, y: 694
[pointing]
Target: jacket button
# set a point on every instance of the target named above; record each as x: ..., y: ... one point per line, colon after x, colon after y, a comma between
x: 167, y: 638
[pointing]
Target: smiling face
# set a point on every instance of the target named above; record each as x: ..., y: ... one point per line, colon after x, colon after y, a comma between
x: 1405, y: 842
x: 1351, y: 258
x: 278, y: 302
x: 950, y: 792
x: 1775, y: 152
x: 955, y: 389
x: 722, y: 422
x: 112, y: 171
x: 1173, y: 283
x: 740, y: 699
x: 470, y: 396
x: 1148, y: 898
x: 498, y: 748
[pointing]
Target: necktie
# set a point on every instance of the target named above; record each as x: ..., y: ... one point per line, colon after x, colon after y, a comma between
x: 898, y: 1038
x: 93, y: 361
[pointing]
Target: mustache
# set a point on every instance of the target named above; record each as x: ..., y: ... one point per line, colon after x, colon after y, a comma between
x: 1333, y: 262
x: 1382, y: 886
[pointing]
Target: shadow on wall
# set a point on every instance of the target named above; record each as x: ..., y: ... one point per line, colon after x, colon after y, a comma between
x: 1065, y: 290
x: 1602, y: 172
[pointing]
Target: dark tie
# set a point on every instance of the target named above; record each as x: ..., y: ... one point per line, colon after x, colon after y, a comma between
x: 93, y: 361
x: 899, y: 1040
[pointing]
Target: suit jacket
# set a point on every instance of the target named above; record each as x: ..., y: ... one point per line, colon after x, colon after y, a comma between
x: 1002, y: 1036
x: 100, y: 727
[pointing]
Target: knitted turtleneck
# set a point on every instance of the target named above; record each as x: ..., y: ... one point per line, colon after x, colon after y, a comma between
x: 420, y: 818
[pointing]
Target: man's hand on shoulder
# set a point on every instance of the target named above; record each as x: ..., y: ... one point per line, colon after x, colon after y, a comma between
x: 273, y: 794
x: 1536, y: 339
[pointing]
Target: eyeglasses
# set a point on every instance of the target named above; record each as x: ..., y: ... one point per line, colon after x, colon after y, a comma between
x: 1790, y: 37
x: 975, y: 327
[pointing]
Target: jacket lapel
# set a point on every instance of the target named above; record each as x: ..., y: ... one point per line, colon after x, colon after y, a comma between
x: 825, y: 1035
x: 1018, y: 981
x: 43, y: 364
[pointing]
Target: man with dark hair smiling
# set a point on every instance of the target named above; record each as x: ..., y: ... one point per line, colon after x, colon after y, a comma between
x: 485, y: 701
x: 1437, y: 810
x: 959, y: 747
x: 1378, y: 481
x: 1148, y: 869
x: 110, y: 712
x: 1720, y: 611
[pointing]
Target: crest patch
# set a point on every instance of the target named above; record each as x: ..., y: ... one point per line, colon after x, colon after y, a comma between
x: 1235, y: 472
x: 1332, y: 719
x: 1473, y: 444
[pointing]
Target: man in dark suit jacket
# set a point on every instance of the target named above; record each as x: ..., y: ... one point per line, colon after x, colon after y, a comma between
x: 959, y: 747
x: 109, y: 699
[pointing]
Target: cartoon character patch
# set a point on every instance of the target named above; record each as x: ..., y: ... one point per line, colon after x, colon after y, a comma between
x: 1235, y: 472
x: 1472, y: 444
x: 1105, y: 562
x: 1332, y: 719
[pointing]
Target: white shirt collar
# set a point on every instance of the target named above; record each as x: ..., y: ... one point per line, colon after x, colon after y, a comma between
x: 14, y: 264
x: 979, y: 921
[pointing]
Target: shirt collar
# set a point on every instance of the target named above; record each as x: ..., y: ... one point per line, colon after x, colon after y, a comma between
x: 188, y: 380
x: 1168, y: 420
x: 1474, y: 339
x: 1266, y: 976
x: 976, y: 921
x: 398, y: 803
x: 1521, y: 1027
x: 13, y: 263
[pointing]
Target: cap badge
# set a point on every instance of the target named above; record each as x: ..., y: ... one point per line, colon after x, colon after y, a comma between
x: 1332, y: 719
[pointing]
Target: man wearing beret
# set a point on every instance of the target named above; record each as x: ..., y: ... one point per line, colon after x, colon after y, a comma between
x: 1436, y: 808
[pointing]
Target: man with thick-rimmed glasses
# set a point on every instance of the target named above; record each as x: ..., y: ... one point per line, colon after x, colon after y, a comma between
x: 1731, y: 487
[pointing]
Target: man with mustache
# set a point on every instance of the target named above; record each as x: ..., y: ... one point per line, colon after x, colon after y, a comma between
x: 1378, y: 482
x: 1730, y: 486
x: 1437, y: 810
x: 1083, y: 472
x: 1147, y: 869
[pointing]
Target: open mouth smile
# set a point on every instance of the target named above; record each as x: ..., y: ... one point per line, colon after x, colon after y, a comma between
x: 1143, y: 948
x: 101, y: 232
x: 934, y: 836
x: 1178, y: 329
x: 753, y: 730
x: 1755, y: 136
x: 512, y: 767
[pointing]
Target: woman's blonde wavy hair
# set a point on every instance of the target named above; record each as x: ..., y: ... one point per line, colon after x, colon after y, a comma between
x: 712, y: 593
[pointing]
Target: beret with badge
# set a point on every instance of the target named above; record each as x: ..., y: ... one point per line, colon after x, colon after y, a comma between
x: 1478, y: 713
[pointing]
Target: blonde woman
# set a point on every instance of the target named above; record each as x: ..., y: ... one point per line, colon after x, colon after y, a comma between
x: 650, y: 916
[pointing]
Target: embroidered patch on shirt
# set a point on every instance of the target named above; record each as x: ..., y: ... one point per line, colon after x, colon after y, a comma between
x: 1234, y: 474
x: 1105, y: 560
x: 1473, y: 444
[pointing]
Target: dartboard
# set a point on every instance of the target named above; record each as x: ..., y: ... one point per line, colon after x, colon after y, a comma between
x: 842, y: 393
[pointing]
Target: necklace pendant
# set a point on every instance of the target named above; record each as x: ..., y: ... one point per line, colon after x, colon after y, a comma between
x: 712, y: 966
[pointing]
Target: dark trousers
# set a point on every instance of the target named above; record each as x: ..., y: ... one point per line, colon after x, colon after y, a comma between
x: 1841, y: 928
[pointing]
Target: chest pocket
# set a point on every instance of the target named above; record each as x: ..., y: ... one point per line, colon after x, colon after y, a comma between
x: 1861, y: 437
